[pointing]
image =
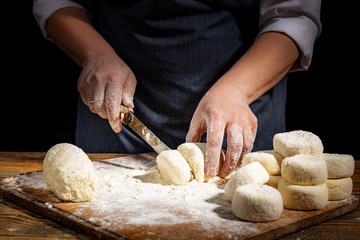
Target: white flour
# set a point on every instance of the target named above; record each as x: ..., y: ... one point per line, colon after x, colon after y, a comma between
x: 132, y: 193
x: 132, y: 200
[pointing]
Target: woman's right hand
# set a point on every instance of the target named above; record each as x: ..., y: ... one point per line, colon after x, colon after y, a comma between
x: 106, y: 81
x: 104, y: 84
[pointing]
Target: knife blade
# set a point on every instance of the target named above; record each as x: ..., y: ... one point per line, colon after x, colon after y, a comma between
x: 128, y: 118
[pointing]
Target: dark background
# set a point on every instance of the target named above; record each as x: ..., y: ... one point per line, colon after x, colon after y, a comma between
x: 39, y: 93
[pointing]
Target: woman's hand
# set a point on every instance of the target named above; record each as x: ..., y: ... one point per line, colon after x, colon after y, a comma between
x: 104, y: 84
x: 106, y: 81
x: 223, y: 109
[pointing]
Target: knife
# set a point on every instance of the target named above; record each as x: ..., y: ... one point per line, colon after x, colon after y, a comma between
x: 128, y: 118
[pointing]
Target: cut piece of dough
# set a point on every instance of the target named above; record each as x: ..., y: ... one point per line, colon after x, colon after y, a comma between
x: 300, y: 197
x: 339, y: 188
x: 270, y: 160
x: 173, y: 167
x: 288, y: 144
x: 339, y: 165
x: 274, y: 181
x: 253, y: 173
x: 304, y: 170
x: 194, y: 154
x: 69, y: 173
x: 257, y: 203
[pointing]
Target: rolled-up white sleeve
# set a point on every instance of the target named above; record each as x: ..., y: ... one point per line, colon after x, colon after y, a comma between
x: 298, y: 19
x: 42, y: 9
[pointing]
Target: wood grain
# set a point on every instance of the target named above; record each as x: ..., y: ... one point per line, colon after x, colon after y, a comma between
x: 20, y: 223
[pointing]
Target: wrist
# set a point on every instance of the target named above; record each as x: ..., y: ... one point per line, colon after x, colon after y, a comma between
x: 261, y: 67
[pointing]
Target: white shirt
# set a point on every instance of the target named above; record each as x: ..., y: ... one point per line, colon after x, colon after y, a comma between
x: 298, y: 19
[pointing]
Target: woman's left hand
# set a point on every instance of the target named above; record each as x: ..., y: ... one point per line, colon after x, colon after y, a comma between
x: 223, y: 110
x: 225, y: 107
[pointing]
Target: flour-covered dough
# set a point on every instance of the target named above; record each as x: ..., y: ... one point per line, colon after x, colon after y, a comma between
x: 339, y: 165
x: 69, y: 173
x: 270, y: 160
x: 173, y: 167
x: 253, y: 173
x: 194, y: 154
x: 304, y: 170
x: 257, y: 203
x: 274, y: 181
x: 300, y: 197
x: 339, y: 188
x: 288, y: 144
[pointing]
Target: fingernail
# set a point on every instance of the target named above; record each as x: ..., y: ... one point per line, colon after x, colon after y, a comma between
x: 127, y: 101
x: 116, y: 125
x: 211, y: 172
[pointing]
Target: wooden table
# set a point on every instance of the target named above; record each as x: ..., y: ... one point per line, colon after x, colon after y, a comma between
x: 20, y: 223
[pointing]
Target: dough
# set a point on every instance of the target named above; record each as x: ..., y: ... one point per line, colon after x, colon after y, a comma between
x: 173, y: 167
x: 297, y: 142
x: 274, y: 181
x: 194, y: 154
x: 257, y: 203
x: 253, y: 173
x: 270, y: 160
x: 340, y: 188
x: 303, y: 197
x: 339, y: 165
x: 69, y: 173
x: 304, y: 170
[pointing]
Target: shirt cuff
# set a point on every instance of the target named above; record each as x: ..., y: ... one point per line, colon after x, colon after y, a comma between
x: 302, y: 30
x: 43, y: 9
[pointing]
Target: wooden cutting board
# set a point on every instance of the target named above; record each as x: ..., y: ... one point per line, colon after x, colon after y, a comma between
x: 130, y: 204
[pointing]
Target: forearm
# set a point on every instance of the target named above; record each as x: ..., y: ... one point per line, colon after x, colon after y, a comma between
x: 71, y: 29
x: 105, y: 82
x: 261, y: 67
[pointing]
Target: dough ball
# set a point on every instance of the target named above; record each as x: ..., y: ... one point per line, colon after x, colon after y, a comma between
x: 257, y: 203
x: 297, y: 142
x: 270, y: 160
x: 339, y: 165
x: 304, y: 170
x: 274, y: 181
x: 173, y: 167
x: 194, y: 154
x: 340, y: 188
x: 253, y: 173
x: 69, y: 173
x: 300, y: 197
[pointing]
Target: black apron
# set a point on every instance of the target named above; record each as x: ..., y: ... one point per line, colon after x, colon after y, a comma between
x: 177, y: 50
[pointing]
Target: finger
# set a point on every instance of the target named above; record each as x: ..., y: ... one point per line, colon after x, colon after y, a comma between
x: 129, y: 91
x: 215, y: 135
x: 235, y: 145
x: 196, y: 130
x: 99, y: 101
x: 88, y: 101
x: 249, y: 138
x: 90, y: 104
x: 113, y: 98
x: 86, y: 94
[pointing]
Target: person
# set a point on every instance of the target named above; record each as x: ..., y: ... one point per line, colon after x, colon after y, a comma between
x: 209, y: 70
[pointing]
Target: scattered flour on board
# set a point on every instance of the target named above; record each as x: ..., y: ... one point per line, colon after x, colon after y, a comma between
x: 131, y: 194
x: 143, y: 198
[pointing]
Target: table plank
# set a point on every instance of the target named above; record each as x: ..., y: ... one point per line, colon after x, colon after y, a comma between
x: 20, y: 223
